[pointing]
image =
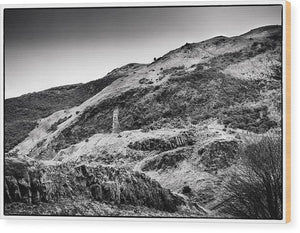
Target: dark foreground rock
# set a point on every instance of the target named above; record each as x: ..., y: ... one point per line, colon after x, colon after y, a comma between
x: 33, y: 183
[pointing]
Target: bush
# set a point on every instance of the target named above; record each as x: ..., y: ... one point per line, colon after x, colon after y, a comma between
x: 186, y: 190
x: 255, y: 189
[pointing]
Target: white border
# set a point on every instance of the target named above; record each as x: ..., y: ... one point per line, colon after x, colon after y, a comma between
x: 145, y: 4
x: 284, y: 108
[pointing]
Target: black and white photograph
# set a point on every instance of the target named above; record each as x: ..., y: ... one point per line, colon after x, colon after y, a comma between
x: 155, y: 111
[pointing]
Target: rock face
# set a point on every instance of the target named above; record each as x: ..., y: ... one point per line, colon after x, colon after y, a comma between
x: 31, y: 183
x: 183, y: 139
x: 167, y: 160
x: 17, y: 181
x: 135, y: 188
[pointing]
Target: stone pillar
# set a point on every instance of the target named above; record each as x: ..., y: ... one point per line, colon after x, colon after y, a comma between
x: 116, y: 124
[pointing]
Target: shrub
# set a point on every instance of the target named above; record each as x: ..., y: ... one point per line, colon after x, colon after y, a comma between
x: 186, y: 189
x: 145, y: 81
x: 255, y: 189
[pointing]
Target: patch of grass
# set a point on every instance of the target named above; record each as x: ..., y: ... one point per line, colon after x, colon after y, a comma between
x: 226, y: 59
x: 248, y: 118
x: 16, y: 132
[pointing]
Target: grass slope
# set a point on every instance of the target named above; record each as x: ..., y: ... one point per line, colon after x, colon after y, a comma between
x: 22, y: 112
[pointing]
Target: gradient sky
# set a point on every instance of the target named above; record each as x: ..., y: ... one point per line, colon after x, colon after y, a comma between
x: 51, y: 47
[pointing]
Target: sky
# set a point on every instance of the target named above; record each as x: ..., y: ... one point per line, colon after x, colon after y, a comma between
x: 45, y: 48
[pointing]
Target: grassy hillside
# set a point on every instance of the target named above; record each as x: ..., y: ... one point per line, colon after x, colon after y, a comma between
x: 188, y: 98
x: 173, y: 90
x: 192, y: 97
x: 22, y: 112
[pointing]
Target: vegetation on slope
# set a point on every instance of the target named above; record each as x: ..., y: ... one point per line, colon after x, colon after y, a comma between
x: 192, y: 98
x: 21, y: 113
x: 186, y: 97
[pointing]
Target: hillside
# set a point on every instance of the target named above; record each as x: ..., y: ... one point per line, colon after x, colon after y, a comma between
x: 185, y: 120
x: 21, y: 113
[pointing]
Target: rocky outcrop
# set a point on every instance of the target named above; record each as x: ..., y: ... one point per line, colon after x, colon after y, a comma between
x: 34, y: 183
x: 167, y: 160
x: 183, y: 139
x: 119, y: 186
x: 17, y: 180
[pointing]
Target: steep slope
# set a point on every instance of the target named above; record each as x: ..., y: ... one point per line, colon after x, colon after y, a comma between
x: 21, y: 113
